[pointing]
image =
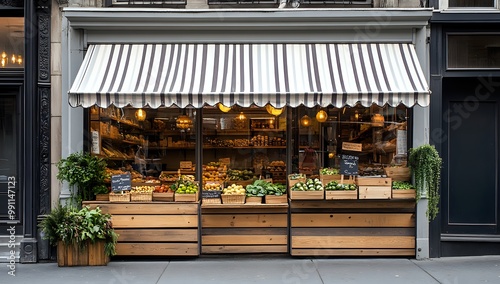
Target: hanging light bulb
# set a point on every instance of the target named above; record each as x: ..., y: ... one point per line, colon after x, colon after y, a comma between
x: 241, y: 116
x: 321, y: 116
x: 3, y: 62
x: 224, y: 108
x: 13, y: 58
x: 19, y: 59
x: 4, y: 55
x: 140, y: 114
x: 274, y: 111
x: 305, y: 121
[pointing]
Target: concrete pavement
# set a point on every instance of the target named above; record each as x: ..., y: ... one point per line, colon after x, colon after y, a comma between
x: 266, y: 269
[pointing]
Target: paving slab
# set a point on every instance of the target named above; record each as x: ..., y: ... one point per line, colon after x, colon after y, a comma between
x: 241, y: 271
x: 463, y: 270
x: 114, y: 272
x: 371, y: 271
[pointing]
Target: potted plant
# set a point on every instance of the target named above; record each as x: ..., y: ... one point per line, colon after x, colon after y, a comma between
x: 83, y: 236
x: 426, y: 168
x: 86, y: 173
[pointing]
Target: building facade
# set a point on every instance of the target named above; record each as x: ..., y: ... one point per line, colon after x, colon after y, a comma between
x: 25, y: 93
x: 464, y: 82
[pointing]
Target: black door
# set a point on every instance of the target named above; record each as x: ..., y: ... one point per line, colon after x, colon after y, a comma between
x: 10, y: 181
x: 470, y: 150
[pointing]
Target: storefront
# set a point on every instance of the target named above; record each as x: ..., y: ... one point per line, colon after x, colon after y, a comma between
x: 24, y: 128
x: 261, y: 93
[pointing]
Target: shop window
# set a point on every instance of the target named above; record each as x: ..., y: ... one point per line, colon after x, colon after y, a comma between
x: 244, y: 143
x: 144, y: 141
x: 471, y: 3
x: 474, y: 51
x: 377, y: 135
x: 12, y: 42
x: 8, y: 153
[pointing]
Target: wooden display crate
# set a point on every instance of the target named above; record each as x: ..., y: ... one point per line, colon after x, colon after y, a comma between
x: 307, y: 195
x: 276, y: 199
x: 141, y: 196
x: 163, y: 196
x: 102, y: 197
x: 374, y: 192
x: 233, y: 198
x: 239, y: 182
x: 398, y: 173
x: 403, y: 193
x: 125, y: 197
x: 186, y: 197
x: 376, y: 181
x: 253, y: 199
x: 341, y: 194
x: 211, y: 200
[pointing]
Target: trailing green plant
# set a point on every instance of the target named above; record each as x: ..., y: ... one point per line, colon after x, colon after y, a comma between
x: 83, y: 171
x: 75, y: 226
x: 426, y: 167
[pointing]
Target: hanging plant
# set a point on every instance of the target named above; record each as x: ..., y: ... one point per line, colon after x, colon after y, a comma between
x: 426, y: 167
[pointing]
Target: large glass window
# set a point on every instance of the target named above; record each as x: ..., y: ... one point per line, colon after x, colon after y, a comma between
x: 377, y: 135
x: 474, y: 51
x: 9, y: 179
x: 11, y: 42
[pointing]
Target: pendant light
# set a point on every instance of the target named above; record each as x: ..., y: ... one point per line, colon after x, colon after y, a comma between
x: 321, y: 116
x: 274, y: 111
x: 305, y: 121
x: 140, y: 114
x: 223, y: 108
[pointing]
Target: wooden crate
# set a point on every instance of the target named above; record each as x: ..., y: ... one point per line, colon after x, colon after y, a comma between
x: 233, y: 198
x: 398, y: 173
x: 186, y: 197
x: 125, y: 197
x: 73, y: 255
x: 403, y: 193
x: 211, y: 200
x: 307, y: 195
x: 375, y: 192
x: 253, y: 199
x: 163, y: 196
x: 102, y: 197
x: 341, y: 194
x: 276, y: 199
x: 374, y: 181
x: 141, y: 196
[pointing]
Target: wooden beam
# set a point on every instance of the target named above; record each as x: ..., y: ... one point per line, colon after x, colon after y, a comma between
x: 243, y: 249
x: 157, y: 249
x: 157, y: 235
x: 361, y: 242
x: 353, y: 220
x: 353, y: 252
x: 152, y: 208
x: 155, y: 221
x: 244, y: 240
x: 244, y: 220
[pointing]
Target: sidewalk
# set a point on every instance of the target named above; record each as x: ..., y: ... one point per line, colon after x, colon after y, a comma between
x: 267, y: 269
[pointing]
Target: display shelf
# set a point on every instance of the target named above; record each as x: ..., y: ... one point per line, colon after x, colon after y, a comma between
x: 118, y: 140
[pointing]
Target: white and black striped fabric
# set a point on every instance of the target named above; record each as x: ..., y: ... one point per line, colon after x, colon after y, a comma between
x: 157, y: 75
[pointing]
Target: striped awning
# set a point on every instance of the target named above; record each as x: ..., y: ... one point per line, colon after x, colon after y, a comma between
x: 244, y: 74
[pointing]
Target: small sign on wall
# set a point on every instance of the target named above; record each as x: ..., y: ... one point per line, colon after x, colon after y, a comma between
x: 347, y: 146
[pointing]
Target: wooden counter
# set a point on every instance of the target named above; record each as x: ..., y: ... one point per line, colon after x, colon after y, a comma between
x: 244, y: 228
x: 154, y: 228
x: 352, y: 228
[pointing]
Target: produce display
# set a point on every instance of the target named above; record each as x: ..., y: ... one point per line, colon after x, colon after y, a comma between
x: 161, y: 188
x: 185, y: 187
x: 262, y: 187
x: 402, y: 185
x: 239, y: 174
x: 296, y: 176
x: 309, y: 185
x: 212, y: 186
x: 334, y: 185
x: 142, y: 189
x: 214, y: 171
x: 329, y: 171
x: 168, y: 177
x: 234, y: 189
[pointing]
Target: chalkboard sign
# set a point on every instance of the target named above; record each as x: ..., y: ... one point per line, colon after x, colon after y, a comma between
x: 120, y: 182
x: 210, y: 193
x: 349, y: 165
